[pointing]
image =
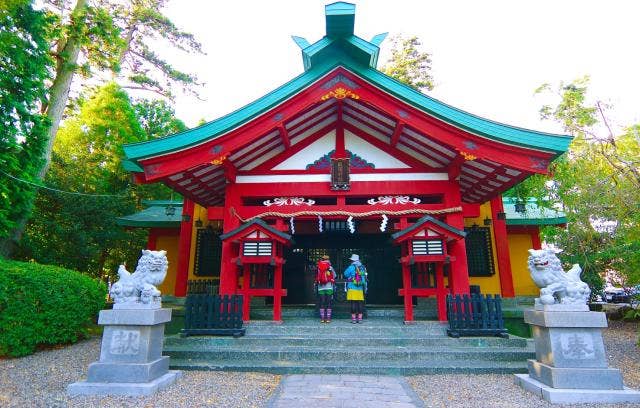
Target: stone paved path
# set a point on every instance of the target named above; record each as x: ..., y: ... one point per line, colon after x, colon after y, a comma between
x: 361, y: 391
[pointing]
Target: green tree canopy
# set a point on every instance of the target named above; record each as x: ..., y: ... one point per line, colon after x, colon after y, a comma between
x: 79, y: 231
x: 24, y: 67
x: 85, y: 37
x: 408, y: 64
x: 597, y: 185
x: 157, y: 118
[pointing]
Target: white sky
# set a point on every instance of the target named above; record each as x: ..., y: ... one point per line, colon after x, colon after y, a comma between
x: 488, y: 56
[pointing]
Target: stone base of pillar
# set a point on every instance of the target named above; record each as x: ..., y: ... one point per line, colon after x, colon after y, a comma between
x: 571, y: 362
x: 124, y: 388
x: 576, y: 396
x: 131, y: 361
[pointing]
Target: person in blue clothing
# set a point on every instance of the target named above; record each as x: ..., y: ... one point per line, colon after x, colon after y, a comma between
x: 356, y: 276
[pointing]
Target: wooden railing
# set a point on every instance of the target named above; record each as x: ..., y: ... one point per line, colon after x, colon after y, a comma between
x: 213, y: 315
x: 475, y: 315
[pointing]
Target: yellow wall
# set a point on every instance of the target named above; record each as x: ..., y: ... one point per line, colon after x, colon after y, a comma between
x: 488, y: 284
x: 519, y: 245
x: 169, y: 244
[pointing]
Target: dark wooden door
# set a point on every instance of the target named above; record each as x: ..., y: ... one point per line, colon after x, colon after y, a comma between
x: 376, y: 252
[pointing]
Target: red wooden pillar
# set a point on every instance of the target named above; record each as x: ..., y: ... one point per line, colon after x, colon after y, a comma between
x: 246, y: 298
x: 228, y: 269
x: 502, y: 248
x: 152, y: 239
x: 535, y: 237
x: 406, y: 285
x: 458, y: 269
x: 441, y: 293
x: 184, y: 248
x: 277, y: 294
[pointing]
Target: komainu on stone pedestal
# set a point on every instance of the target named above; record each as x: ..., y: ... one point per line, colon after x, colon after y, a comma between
x: 139, y: 288
x: 556, y: 285
x: 571, y: 361
x: 131, y: 361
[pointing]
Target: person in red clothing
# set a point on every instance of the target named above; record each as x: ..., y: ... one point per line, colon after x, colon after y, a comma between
x: 325, y: 279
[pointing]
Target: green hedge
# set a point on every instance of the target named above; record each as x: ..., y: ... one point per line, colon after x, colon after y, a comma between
x: 42, y: 304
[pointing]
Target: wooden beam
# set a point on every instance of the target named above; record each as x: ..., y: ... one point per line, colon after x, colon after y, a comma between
x: 502, y: 248
x: 340, y: 148
x: 396, y: 133
x: 184, y: 248
x: 455, y: 167
x: 230, y: 171
x: 286, y: 141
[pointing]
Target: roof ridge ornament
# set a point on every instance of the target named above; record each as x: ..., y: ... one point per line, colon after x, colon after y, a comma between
x: 340, y: 93
x: 340, y: 40
x: 340, y: 18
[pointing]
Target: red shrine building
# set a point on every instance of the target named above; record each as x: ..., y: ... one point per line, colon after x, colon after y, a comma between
x: 344, y: 159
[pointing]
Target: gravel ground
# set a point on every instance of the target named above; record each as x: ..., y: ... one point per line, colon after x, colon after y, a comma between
x: 39, y: 380
x: 499, y: 391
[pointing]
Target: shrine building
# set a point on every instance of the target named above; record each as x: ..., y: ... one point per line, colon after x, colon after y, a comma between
x: 344, y: 159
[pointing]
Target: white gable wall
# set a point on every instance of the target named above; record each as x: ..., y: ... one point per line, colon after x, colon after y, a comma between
x: 356, y: 145
x: 370, y: 153
x: 310, y: 153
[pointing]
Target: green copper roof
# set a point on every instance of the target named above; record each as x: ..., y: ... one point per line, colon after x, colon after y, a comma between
x: 154, y: 216
x: 533, y: 214
x: 359, y: 57
x: 256, y: 221
x: 340, y: 17
x: 423, y: 220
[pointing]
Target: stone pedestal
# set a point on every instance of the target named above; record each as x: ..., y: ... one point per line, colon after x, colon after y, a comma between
x: 131, y: 361
x: 571, y: 363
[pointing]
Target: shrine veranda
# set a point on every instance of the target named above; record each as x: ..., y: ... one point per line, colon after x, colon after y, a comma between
x: 343, y: 159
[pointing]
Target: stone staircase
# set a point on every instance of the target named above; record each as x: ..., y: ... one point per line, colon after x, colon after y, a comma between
x: 382, y: 344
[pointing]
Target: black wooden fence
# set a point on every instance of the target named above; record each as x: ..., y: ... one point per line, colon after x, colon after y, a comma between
x: 475, y: 315
x: 213, y: 315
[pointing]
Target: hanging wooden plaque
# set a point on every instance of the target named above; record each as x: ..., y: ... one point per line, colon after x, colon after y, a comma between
x: 340, y: 174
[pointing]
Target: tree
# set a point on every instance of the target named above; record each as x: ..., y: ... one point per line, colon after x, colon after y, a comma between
x: 157, y: 118
x: 103, y: 35
x: 598, y: 185
x: 79, y: 231
x: 141, y: 23
x: 24, y: 67
x: 408, y: 64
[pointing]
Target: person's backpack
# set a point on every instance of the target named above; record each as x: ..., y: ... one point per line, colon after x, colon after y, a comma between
x: 324, y: 274
x: 359, y: 278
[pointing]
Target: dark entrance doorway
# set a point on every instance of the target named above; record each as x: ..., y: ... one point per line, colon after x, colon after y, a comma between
x: 376, y: 252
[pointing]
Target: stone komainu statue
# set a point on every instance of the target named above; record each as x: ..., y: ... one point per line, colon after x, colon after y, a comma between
x: 556, y: 285
x: 139, y: 287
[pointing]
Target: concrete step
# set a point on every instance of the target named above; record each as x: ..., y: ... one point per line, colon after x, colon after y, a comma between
x: 379, y: 368
x: 305, y: 341
x: 379, y: 345
x: 306, y: 326
x: 347, y: 354
x: 341, y: 312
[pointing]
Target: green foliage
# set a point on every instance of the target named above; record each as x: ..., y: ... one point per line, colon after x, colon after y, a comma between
x: 45, y: 305
x: 94, y: 28
x: 143, y: 28
x: 597, y: 184
x: 80, y: 231
x: 157, y: 118
x: 408, y: 64
x: 24, y: 68
x: 91, y: 141
x: 632, y: 314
